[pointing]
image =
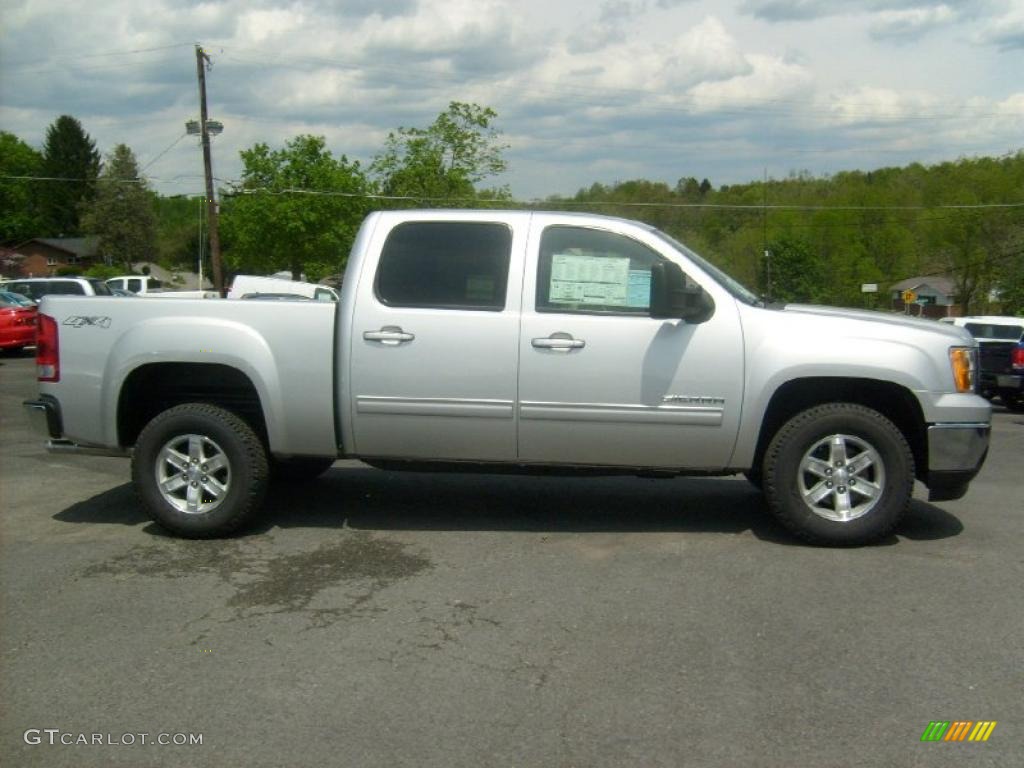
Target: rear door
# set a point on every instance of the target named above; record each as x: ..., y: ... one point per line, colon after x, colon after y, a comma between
x: 434, y: 339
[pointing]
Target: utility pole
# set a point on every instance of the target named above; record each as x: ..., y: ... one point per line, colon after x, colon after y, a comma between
x: 211, y: 204
x: 767, y: 253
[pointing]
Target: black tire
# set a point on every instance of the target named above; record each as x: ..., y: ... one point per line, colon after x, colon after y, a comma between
x: 1014, y: 401
x: 862, y: 504
x: 219, y: 502
x: 296, y: 469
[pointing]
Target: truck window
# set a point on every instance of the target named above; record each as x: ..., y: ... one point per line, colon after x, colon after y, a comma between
x: 593, y: 271
x: 993, y: 331
x: 65, y: 288
x: 134, y: 284
x: 445, y: 265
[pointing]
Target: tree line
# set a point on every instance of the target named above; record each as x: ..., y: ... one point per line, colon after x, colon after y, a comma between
x: 297, y: 207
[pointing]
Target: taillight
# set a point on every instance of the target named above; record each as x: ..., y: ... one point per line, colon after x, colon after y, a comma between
x: 47, y: 350
x: 1017, y: 357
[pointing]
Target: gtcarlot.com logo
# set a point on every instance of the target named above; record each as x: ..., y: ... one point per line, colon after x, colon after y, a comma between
x: 958, y: 730
x: 55, y: 736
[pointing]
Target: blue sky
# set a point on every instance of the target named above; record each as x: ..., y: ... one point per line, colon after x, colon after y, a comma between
x: 586, y: 92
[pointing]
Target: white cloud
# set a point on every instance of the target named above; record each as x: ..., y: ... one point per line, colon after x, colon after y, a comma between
x: 1007, y: 31
x: 585, y: 92
x: 910, y: 23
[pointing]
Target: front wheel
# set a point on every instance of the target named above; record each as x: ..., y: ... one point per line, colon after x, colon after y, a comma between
x: 200, y: 471
x: 839, y: 474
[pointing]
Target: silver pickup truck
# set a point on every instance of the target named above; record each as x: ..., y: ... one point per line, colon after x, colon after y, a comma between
x: 517, y: 341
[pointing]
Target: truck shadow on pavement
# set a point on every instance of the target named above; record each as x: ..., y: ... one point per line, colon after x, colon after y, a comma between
x: 374, y: 500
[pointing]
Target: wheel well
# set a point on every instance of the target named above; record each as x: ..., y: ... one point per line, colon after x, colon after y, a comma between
x: 152, y: 389
x: 893, y: 401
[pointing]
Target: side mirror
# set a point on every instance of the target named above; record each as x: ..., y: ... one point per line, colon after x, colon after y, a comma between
x: 672, y: 298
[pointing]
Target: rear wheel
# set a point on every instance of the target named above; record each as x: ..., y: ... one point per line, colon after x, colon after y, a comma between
x: 200, y: 471
x: 839, y: 474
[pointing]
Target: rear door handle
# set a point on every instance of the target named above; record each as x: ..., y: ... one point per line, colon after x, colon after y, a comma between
x: 559, y: 341
x: 389, y: 334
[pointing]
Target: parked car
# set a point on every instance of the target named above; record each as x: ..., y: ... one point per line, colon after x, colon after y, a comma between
x: 1002, y: 372
x: 517, y: 341
x: 17, y: 298
x: 150, y: 287
x: 37, y: 287
x: 17, y: 324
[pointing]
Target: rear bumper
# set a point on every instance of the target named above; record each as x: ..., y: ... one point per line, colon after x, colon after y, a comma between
x: 955, y: 455
x: 45, y: 420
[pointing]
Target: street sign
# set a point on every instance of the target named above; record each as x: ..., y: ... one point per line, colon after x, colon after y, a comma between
x: 869, y: 288
x: 908, y: 296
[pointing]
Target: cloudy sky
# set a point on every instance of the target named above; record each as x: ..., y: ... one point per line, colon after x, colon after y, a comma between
x: 585, y: 91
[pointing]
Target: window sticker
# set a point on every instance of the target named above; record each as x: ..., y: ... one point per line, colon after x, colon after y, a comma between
x: 639, y: 293
x: 589, y: 280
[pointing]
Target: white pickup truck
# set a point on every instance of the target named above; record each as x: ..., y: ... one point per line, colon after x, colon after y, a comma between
x: 517, y: 341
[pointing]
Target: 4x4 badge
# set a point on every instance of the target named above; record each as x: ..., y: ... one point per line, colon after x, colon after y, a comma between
x: 80, y: 321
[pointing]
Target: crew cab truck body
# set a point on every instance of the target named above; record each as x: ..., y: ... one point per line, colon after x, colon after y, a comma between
x: 517, y: 341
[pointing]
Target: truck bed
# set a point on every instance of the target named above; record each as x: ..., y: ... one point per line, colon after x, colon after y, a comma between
x: 284, y: 348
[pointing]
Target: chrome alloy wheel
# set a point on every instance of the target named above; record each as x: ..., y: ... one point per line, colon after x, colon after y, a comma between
x: 841, y: 478
x: 193, y: 474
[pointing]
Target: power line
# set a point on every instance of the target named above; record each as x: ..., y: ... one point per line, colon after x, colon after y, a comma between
x: 169, y: 148
x: 555, y: 203
x: 76, y: 57
x: 635, y: 204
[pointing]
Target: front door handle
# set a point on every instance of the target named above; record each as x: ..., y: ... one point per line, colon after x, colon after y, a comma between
x: 389, y: 334
x: 559, y: 341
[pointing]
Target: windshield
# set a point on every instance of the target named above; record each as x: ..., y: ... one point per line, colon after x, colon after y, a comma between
x: 733, y: 286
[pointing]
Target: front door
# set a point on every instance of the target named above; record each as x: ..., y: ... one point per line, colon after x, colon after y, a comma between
x: 433, y: 363
x: 600, y: 381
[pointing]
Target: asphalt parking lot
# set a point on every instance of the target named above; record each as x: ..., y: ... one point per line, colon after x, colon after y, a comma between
x: 383, y: 619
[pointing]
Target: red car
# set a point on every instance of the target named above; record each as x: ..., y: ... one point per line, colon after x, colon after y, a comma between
x: 17, y: 325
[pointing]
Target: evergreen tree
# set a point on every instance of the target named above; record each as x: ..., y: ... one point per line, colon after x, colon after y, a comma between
x: 70, y: 156
x: 121, y: 214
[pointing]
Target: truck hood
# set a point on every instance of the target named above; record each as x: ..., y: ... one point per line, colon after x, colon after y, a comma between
x: 952, y: 332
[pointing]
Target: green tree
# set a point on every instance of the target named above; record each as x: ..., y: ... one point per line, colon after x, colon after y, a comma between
x: 121, y: 214
x: 71, y: 159
x: 296, y: 208
x: 19, y: 210
x: 795, y: 272
x: 447, y: 159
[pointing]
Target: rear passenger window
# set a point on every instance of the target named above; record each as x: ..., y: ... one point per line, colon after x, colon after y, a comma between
x: 445, y: 265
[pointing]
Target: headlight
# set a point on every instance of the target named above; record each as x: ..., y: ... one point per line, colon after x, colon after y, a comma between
x: 964, y: 363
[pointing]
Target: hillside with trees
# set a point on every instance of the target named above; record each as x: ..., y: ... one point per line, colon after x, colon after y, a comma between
x: 826, y: 236
x: 297, y: 207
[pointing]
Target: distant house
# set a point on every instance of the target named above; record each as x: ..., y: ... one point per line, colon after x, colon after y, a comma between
x: 45, y: 255
x: 934, y: 296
